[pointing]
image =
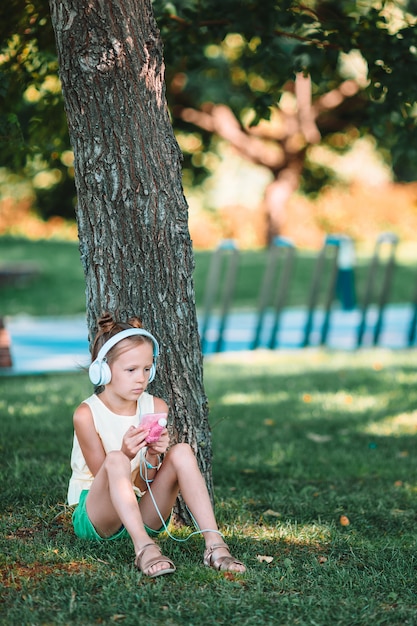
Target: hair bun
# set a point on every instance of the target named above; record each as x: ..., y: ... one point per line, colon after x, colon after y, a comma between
x: 136, y: 322
x: 106, y: 322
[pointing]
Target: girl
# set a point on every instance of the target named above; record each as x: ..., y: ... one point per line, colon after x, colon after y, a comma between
x: 119, y: 482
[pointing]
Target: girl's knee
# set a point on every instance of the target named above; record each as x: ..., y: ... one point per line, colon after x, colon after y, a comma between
x: 181, y: 453
x: 116, y: 459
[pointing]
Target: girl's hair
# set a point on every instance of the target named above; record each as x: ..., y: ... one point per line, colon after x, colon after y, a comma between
x: 108, y: 327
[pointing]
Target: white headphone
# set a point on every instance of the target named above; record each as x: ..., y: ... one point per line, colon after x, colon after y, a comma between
x: 99, y: 371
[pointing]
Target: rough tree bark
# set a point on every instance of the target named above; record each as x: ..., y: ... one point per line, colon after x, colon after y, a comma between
x: 132, y: 215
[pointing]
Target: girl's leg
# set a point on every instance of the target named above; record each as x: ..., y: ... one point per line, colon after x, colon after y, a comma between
x: 180, y: 473
x: 111, y: 503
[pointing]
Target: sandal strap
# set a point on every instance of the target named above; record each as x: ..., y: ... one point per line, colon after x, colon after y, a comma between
x: 208, y: 554
x: 146, y: 566
x: 222, y: 563
x: 144, y: 548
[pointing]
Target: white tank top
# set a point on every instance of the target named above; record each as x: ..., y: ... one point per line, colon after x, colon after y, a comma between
x: 111, y: 428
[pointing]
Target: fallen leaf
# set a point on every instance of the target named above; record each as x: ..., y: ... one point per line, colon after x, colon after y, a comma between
x: 403, y: 512
x: 344, y: 520
x: 264, y: 559
x: 322, y: 559
x: 318, y: 438
x: 272, y: 513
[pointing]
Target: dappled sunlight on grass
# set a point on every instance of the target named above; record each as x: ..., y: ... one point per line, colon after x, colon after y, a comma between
x: 319, y: 386
x: 340, y: 400
x: 309, y: 359
x: 287, y: 532
x: 252, y: 397
x: 393, y: 425
x: 410, y: 488
x: 29, y: 410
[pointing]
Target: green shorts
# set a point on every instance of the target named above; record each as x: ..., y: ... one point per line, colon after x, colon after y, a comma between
x: 84, y: 529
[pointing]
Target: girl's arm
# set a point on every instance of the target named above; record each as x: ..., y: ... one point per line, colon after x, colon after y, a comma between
x: 87, y: 436
x: 160, y: 405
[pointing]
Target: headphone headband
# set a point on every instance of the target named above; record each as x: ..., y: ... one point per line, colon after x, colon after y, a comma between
x: 123, y: 334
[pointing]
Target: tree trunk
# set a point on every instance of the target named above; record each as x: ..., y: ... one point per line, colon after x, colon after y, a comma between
x: 278, y: 194
x: 5, y: 355
x: 132, y: 215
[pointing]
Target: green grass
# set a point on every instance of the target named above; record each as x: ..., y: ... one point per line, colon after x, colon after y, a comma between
x: 58, y: 288
x: 299, y: 440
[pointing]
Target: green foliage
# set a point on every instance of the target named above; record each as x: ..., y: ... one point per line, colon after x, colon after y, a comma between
x: 281, y: 38
x: 299, y: 441
x: 33, y: 127
x: 57, y: 286
x: 238, y: 52
x: 244, y: 54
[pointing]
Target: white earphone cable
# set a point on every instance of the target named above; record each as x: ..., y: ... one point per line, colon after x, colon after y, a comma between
x: 148, y: 481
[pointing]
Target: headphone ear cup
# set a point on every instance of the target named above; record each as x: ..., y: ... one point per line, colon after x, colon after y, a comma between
x: 94, y: 372
x: 105, y: 373
x: 99, y: 372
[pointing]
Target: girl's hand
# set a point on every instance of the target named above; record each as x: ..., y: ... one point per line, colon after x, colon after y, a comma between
x: 134, y: 440
x: 160, y: 446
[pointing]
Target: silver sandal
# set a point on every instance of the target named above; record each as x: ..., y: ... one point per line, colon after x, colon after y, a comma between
x: 222, y: 563
x: 147, y: 565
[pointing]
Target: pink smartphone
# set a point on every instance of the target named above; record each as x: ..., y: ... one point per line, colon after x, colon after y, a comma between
x: 156, y: 422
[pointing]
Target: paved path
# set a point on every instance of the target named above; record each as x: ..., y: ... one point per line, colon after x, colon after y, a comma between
x: 60, y: 344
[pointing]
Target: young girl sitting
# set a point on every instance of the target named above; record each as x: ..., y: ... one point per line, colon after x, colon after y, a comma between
x: 120, y: 482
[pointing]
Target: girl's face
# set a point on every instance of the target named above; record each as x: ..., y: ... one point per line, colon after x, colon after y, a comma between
x: 131, y: 369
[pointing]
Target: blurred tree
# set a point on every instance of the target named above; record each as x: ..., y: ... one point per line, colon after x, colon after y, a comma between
x: 272, y: 78
x: 277, y: 78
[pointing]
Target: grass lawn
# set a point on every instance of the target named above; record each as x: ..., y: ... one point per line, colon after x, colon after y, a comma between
x: 58, y: 288
x: 315, y: 483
